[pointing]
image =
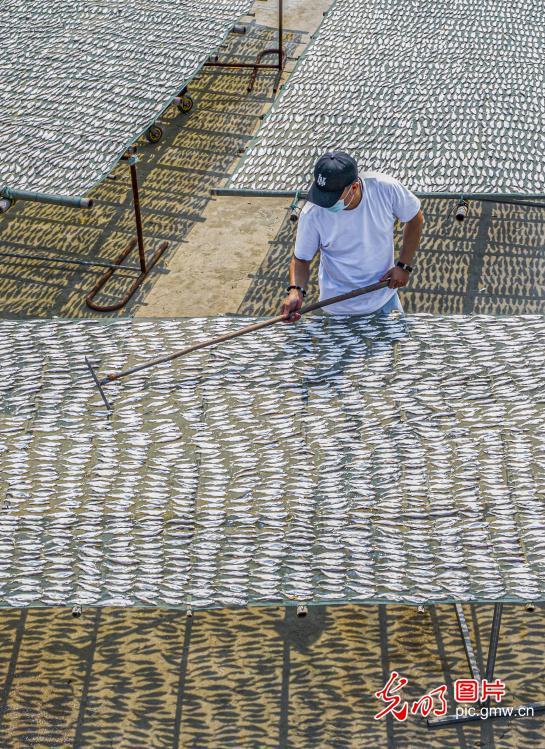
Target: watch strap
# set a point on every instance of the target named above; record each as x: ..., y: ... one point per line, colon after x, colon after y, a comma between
x: 299, y: 288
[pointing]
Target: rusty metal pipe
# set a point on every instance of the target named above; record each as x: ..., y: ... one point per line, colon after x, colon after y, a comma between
x: 137, y: 214
x: 145, y: 266
x: 260, y: 66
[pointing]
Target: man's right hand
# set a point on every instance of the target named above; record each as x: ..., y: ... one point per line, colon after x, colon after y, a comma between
x: 290, y: 305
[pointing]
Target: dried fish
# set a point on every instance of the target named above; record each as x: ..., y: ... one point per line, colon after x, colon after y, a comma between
x: 413, y: 478
x: 443, y: 98
x: 77, y: 92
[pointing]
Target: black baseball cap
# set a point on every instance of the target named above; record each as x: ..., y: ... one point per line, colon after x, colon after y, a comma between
x: 332, y: 173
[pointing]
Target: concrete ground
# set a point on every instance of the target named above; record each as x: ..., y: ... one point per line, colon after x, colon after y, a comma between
x: 263, y: 678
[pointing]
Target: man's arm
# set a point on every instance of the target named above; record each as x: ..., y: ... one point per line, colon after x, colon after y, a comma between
x: 412, y: 232
x: 299, y: 275
x: 307, y: 242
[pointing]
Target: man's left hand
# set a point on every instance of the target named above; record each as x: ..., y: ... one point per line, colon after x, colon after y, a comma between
x: 396, y: 277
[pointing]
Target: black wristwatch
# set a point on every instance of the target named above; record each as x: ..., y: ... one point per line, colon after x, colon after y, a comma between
x: 404, y: 266
x: 299, y: 288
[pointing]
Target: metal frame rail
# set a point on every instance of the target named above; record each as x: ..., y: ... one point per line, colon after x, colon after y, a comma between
x: 9, y: 196
x: 532, y: 200
x: 279, y: 51
x: 529, y: 200
x: 448, y: 720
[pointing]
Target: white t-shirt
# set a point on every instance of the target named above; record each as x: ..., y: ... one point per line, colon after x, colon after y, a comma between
x: 357, y: 246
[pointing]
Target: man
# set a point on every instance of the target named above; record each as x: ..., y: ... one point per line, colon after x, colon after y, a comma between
x: 350, y: 218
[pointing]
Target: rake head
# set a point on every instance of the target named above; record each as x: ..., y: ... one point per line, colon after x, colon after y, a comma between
x: 97, y: 383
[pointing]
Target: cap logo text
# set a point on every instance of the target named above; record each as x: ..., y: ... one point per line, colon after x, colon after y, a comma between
x: 321, y: 180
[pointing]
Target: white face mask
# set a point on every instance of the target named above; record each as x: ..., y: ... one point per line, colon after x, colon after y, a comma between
x: 340, y: 205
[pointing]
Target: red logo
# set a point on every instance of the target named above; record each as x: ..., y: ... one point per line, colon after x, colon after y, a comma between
x: 435, y: 702
x: 470, y: 690
x: 425, y: 705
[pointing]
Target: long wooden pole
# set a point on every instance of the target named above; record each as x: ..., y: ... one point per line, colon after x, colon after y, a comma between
x: 248, y: 329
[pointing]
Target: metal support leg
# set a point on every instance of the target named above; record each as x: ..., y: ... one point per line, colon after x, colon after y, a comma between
x: 258, y: 64
x: 494, y: 639
x: 280, y: 52
x: 468, y: 646
x: 145, y: 266
x: 448, y: 720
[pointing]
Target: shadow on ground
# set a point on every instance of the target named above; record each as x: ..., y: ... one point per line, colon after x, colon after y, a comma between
x: 251, y: 678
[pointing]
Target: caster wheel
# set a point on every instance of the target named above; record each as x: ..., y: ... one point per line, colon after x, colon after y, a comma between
x: 154, y: 134
x: 186, y: 104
